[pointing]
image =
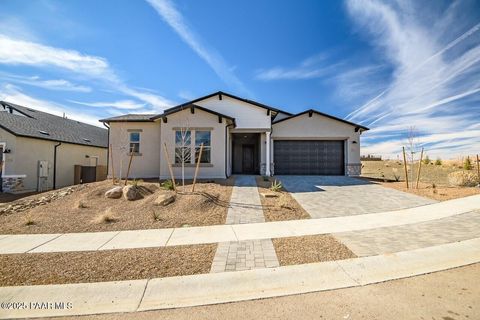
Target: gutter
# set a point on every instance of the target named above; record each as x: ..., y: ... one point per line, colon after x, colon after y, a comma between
x: 55, y: 165
x: 108, y: 144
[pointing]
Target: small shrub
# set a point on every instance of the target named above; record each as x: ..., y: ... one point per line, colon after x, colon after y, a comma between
x: 156, y: 216
x: 81, y: 205
x: 135, y: 182
x: 168, y: 185
x: 29, y: 221
x: 426, y: 160
x: 467, y: 164
x: 266, y: 178
x: 434, y: 188
x: 438, y: 162
x: 276, y: 186
x: 107, y: 217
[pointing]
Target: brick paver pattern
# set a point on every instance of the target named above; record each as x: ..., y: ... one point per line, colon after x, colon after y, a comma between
x: 336, y: 196
x: 412, y: 236
x: 245, y: 207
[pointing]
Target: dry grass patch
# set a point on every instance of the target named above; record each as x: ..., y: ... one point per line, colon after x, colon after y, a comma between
x: 282, y: 207
x: 309, y: 249
x: 112, y: 265
x: 87, y: 210
x: 432, y: 191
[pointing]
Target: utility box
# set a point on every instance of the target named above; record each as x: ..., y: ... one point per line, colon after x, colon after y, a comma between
x: 43, y: 169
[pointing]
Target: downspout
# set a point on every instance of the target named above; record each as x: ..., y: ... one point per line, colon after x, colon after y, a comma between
x: 226, y: 149
x: 55, y: 165
x: 108, y: 145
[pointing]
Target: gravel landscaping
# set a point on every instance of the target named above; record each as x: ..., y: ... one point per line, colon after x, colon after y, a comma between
x: 111, y: 265
x: 282, y: 206
x: 87, y: 209
x: 309, y: 249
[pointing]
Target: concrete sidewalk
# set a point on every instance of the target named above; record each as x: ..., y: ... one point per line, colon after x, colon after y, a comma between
x: 224, y: 233
x: 204, y: 289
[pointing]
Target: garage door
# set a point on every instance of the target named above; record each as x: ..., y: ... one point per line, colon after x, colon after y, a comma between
x: 309, y: 157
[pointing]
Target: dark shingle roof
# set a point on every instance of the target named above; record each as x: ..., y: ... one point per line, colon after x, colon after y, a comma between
x: 130, y: 118
x: 37, y: 124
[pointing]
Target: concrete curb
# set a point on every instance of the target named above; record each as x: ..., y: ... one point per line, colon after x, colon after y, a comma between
x: 93, y: 241
x: 204, y: 289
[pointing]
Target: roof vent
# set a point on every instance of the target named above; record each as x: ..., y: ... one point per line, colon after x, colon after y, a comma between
x: 86, y: 140
x: 31, y: 110
x: 44, y: 132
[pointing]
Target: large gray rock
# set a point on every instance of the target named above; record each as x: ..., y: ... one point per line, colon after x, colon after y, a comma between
x: 130, y: 193
x: 114, y: 193
x: 164, y: 199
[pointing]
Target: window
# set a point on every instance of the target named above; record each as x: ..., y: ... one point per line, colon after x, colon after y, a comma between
x: 134, y: 142
x: 183, y: 146
x: 205, y: 138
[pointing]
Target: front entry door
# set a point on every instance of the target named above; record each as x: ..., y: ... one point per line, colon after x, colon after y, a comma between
x: 248, y: 163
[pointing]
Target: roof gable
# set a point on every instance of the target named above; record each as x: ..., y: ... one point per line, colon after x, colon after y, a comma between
x: 312, y: 111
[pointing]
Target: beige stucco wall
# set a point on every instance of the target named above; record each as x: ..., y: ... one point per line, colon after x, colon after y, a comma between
x: 320, y: 127
x: 200, y: 119
x: 247, y: 116
x: 26, y: 152
x: 145, y: 165
x: 9, y: 141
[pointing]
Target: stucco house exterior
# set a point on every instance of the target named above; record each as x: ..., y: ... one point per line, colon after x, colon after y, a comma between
x: 39, y: 150
x: 240, y: 137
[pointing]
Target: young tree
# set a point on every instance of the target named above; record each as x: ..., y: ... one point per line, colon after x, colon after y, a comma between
x: 183, y: 148
x: 426, y: 160
x: 412, y: 147
x: 467, y: 163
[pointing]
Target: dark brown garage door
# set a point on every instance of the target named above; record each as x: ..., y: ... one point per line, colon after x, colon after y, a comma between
x: 309, y: 157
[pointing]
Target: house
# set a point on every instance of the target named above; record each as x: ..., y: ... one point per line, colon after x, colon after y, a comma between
x: 240, y: 136
x: 39, y: 150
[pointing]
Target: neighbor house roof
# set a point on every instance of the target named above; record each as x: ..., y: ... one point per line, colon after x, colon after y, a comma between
x: 25, y: 122
x: 311, y: 111
x: 130, y: 118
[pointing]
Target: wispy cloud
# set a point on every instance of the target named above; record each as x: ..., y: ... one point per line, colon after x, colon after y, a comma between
x: 122, y: 104
x: 174, y: 18
x: 434, y: 85
x: 50, y: 84
x: 21, y: 52
x: 315, y: 66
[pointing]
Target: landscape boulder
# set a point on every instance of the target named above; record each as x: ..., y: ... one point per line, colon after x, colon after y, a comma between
x: 130, y: 193
x: 164, y: 199
x: 463, y: 178
x: 114, y: 193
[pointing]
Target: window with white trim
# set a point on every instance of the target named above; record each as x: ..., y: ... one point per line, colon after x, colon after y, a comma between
x: 203, y: 137
x: 134, y: 142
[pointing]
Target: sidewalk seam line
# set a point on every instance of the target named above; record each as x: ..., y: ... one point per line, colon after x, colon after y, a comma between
x: 114, y: 236
x: 169, y: 237
x: 143, y: 295
x: 28, y: 251
x: 348, y: 274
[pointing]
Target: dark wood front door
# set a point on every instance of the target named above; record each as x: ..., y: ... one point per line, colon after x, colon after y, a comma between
x: 248, y: 159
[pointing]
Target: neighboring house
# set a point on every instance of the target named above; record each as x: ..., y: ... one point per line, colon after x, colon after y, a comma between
x: 241, y: 137
x: 39, y: 150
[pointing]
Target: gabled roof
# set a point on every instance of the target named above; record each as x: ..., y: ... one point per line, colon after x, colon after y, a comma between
x: 130, y: 118
x: 192, y: 107
x: 26, y: 122
x: 221, y: 93
x: 311, y: 111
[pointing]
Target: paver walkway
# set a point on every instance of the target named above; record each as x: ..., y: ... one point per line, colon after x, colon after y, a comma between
x: 245, y: 207
x: 204, y: 289
x: 92, y: 241
x: 336, y: 196
x: 420, y: 235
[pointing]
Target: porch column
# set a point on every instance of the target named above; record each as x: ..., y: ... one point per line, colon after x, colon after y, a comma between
x: 267, y: 156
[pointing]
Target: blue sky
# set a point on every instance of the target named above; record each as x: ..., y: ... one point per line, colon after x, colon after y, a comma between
x: 388, y: 65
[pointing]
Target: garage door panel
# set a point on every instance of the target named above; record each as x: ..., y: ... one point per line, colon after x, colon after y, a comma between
x: 309, y: 157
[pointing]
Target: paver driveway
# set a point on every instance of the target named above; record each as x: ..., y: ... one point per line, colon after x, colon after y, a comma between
x: 334, y: 196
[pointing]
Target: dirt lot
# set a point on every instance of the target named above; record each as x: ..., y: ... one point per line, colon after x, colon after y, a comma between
x: 280, y: 208
x: 309, y: 249
x: 433, y: 179
x: 87, y: 209
x: 112, y: 265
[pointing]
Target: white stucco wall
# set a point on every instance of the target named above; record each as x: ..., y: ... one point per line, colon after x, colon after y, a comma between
x: 247, y: 116
x: 26, y: 152
x: 320, y: 127
x: 201, y: 120
x: 145, y: 165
